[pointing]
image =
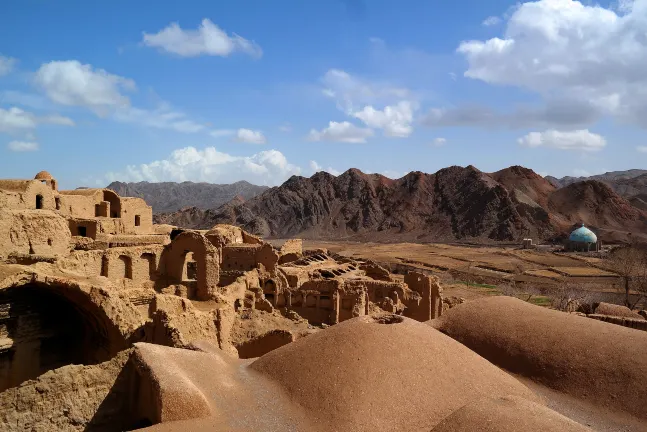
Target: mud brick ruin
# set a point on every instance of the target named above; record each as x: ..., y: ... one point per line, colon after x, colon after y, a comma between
x: 86, y: 274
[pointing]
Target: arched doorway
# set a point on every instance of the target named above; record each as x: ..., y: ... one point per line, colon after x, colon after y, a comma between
x: 115, y: 203
x: 49, y: 326
x: 190, y: 254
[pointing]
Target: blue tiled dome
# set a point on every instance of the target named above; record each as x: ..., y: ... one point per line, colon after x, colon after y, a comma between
x: 583, y: 235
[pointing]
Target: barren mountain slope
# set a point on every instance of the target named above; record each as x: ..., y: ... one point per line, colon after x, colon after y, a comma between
x: 170, y: 196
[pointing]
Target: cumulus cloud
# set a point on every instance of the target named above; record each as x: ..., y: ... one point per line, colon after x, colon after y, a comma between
x: 361, y: 98
x: 15, y: 120
x: 208, y: 39
x: 352, y: 92
x: 22, y: 146
x: 209, y: 165
x: 250, y: 136
x: 341, y: 132
x: 6, y: 65
x: 641, y: 149
x: 581, y: 140
x: 394, y: 120
x: 581, y: 52
x: 315, y: 168
x: 75, y: 84
x: 491, y: 21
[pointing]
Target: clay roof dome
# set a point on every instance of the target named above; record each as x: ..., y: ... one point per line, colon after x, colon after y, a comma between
x: 43, y: 175
x: 583, y: 235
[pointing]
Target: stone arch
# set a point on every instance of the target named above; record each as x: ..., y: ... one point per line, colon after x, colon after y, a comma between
x: 54, y: 322
x: 115, y: 203
x: 205, y: 256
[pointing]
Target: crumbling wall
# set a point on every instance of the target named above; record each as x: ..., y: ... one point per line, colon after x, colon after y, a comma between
x: 294, y: 276
x: 138, y: 264
x: 375, y: 271
x: 206, y: 256
x: 352, y: 303
x: 291, y: 250
x: 72, y: 398
x: 136, y: 215
x: 221, y: 235
x: 83, y: 227
x: 316, y: 300
x: 250, y: 238
x: 177, y: 323
x: 78, y: 206
x: 429, y: 288
x: 268, y: 257
x: 240, y: 257
x: 50, y: 322
x: 40, y: 232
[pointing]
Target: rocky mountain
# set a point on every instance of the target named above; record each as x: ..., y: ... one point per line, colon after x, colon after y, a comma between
x: 454, y: 203
x: 627, y: 183
x: 170, y: 196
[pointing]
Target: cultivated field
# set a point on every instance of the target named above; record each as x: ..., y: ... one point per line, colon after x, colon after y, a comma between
x: 469, y: 272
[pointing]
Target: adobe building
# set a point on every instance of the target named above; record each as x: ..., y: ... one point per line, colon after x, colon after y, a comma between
x: 85, y: 274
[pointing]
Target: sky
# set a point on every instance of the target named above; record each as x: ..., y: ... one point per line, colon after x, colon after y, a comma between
x: 256, y: 90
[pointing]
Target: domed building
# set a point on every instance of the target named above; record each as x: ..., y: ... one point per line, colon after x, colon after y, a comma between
x: 47, y: 178
x: 582, y: 239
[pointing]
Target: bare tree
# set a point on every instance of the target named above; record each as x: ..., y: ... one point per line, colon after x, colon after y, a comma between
x: 629, y: 263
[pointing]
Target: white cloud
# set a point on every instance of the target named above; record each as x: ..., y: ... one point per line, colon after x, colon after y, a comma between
x: 286, y: 127
x: 72, y: 83
x: 190, y: 164
x: 641, y: 149
x: 22, y: 146
x: 440, y: 141
x: 394, y: 120
x: 351, y: 92
x: 452, y: 75
x: 563, y: 47
x: 250, y: 136
x: 341, y: 132
x: 491, y: 21
x: 208, y: 39
x: 315, y: 168
x: 582, y: 140
x: 17, y: 120
x: 6, y: 65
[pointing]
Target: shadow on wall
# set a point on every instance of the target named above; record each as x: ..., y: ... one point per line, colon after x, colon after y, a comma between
x: 49, y: 328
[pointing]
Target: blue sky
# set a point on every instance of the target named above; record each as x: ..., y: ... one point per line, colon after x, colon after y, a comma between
x: 259, y: 91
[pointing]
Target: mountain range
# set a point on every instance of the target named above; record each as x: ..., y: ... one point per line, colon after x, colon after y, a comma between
x: 170, y: 196
x: 455, y: 203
